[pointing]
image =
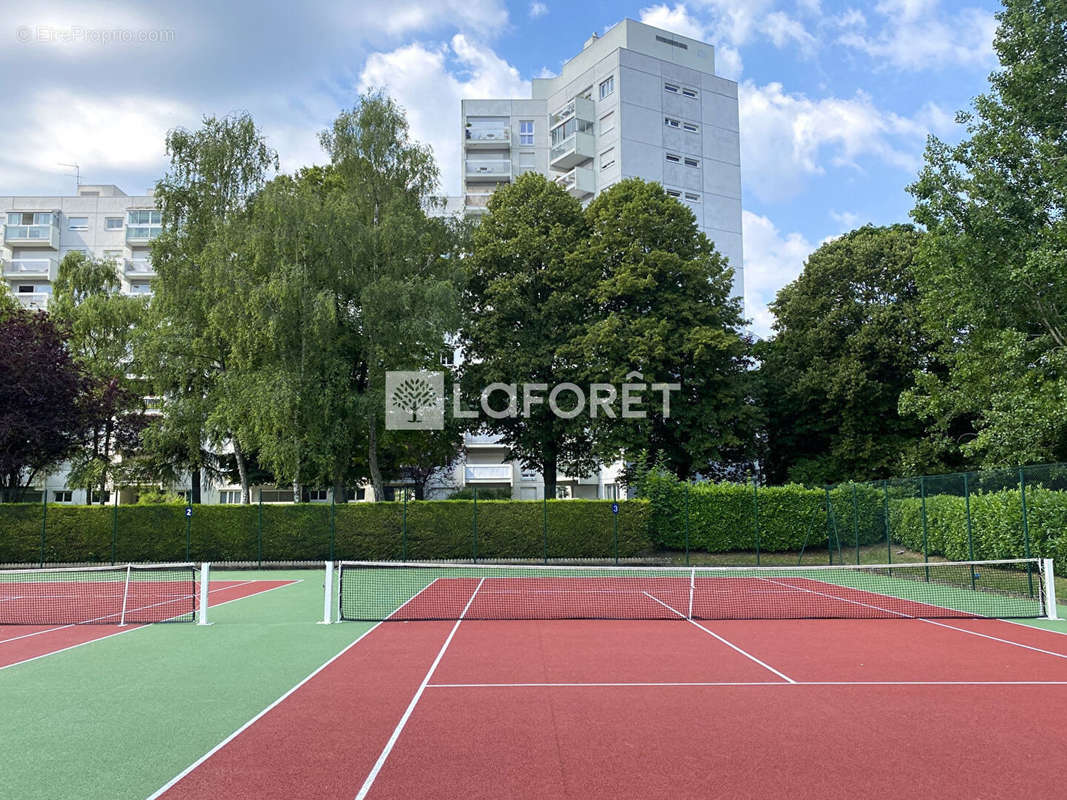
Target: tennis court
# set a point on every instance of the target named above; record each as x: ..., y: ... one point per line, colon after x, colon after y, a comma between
x: 482, y: 682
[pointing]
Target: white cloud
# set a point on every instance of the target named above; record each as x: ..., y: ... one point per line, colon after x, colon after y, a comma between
x: 783, y: 29
x: 676, y: 20
x: 418, y: 77
x: 771, y: 261
x: 789, y: 137
x: 917, y: 35
x: 847, y: 220
x: 538, y: 9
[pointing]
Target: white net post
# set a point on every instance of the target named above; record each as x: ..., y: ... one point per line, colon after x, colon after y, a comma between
x: 327, y: 604
x: 205, y: 584
x: 125, y: 595
x: 1051, y: 611
x: 692, y: 588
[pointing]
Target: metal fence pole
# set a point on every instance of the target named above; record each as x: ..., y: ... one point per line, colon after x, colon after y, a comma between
x: 755, y: 511
x: 333, y: 522
x: 114, y: 525
x: 926, y: 544
x: 474, y: 529
x: 970, y: 532
x: 188, y: 531
x: 544, y: 524
x: 856, y: 521
x: 44, y: 518
x: 885, y: 513
x: 259, y: 530
x: 829, y: 530
x: 404, y: 529
x: 615, y: 526
x: 1026, y: 530
x: 687, y: 523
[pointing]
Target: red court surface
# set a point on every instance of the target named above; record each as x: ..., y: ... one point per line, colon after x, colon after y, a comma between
x: 656, y: 709
x: 19, y: 643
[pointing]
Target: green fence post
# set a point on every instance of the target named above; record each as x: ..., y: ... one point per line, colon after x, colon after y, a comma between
x: 829, y: 529
x: 1026, y: 531
x: 259, y: 530
x: 926, y: 547
x: 188, y: 530
x: 474, y: 529
x: 44, y: 518
x: 885, y: 513
x: 615, y: 518
x: 544, y: 524
x: 404, y: 529
x: 687, y: 523
x: 333, y: 523
x: 114, y: 525
x: 856, y: 521
x: 755, y: 511
x: 970, y: 532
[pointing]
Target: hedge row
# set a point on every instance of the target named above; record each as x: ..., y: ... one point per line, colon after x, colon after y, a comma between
x: 725, y: 517
x: 359, y: 531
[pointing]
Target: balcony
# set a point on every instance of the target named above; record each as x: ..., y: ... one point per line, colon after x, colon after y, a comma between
x: 139, y: 268
x: 580, y: 107
x: 487, y: 138
x: 483, y: 440
x: 477, y: 202
x: 487, y: 473
x: 489, y: 170
x: 45, y: 269
x: 572, y: 151
x: 142, y: 234
x: 38, y: 301
x: 579, y: 182
x: 32, y: 236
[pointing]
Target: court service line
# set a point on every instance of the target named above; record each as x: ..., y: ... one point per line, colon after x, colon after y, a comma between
x: 726, y: 642
x: 653, y: 684
x: 929, y: 621
x: 414, y: 701
x: 128, y: 629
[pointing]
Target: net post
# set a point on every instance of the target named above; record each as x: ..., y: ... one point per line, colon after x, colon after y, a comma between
x: 327, y: 605
x: 692, y: 586
x: 1051, y: 612
x: 205, y: 588
x: 125, y: 596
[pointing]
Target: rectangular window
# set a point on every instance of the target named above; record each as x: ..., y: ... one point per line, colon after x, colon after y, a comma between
x: 230, y: 496
x: 316, y: 495
x: 144, y: 217
x: 607, y: 87
x: 113, y: 223
x: 526, y: 131
x: 78, y: 223
x: 96, y: 496
x: 25, y: 289
x: 692, y: 162
x: 672, y: 42
x: 63, y: 496
x: 689, y: 92
x: 689, y: 126
x: 674, y: 193
x: 671, y: 122
x: 692, y: 198
x: 29, y: 218
x: 674, y: 159
x: 670, y: 87
x: 607, y: 158
x: 446, y: 359
x: 140, y: 288
x: 607, y: 123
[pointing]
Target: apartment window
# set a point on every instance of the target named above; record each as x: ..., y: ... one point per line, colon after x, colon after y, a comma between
x: 692, y: 198
x: 671, y: 122
x: 607, y: 123
x: 316, y: 495
x: 63, y: 496
x: 673, y: 158
x: 526, y: 131
x: 29, y: 218
x: 672, y: 42
x: 586, y: 93
x: 446, y: 359
x: 670, y: 87
x: 607, y: 87
x: 78, y: 223
x: 687, y: 92
x: 674, y: 193
x: 689, y: 126
x: 96, y: 496
x: 25, y: 289
x: 140, y: 288
x: 607, y: 158
x: 113, y: 223
x: 230, y: 496
x: 692, y: 162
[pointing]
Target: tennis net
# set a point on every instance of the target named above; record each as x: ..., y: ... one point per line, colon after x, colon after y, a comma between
x: 111, y: 595
x: 375, y: 591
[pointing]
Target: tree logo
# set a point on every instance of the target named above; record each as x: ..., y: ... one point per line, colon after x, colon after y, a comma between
x: 414, y: 401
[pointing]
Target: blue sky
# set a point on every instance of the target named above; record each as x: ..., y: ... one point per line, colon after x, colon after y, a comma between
x: 837, y: 97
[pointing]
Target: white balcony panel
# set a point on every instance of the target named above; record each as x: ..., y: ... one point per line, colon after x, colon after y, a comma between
x: 579, y: 182
x: 140, y: 268
x: 487, y: 138
x: 580, y: 107
x: 484, y: 440
x: 46, y: 269
x: 477, y: 202
x: 487, y: 473
x: 572, y: 151
x: 489, y: 169
x: 32, y: 236
x: 136, y: 234
x: 35, y: 300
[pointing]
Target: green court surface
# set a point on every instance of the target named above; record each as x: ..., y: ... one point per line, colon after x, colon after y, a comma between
x: 121, y: 716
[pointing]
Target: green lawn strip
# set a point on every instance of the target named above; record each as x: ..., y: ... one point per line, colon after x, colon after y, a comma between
x: 120, y: 717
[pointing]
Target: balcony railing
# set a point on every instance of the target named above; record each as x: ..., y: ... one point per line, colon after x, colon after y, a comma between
x: 142, y: 233
x: 477, y: 202
x: 43, y: 268
x: 580, y: 107
x: 140, y: 268
x: 579, y: 182
x: 573, y: 150
x: 487, y: 473
x: 32, y: 236
x: 484, y: 440
x: 490, y: 169
x: 34, y: 300
x: 488, y: 137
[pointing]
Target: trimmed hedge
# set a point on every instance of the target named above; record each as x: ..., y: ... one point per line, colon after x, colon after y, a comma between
x: 362, y: 531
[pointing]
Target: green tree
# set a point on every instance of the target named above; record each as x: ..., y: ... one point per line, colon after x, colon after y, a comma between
x: 187, y: 347
x: 993, y: 267
x: 660, y: 311
x: 848, y: 337
x: 526, y: 303
x: 88, y: 303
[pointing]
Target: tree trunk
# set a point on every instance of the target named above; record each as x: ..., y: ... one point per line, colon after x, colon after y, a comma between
x: 242, y: 470
x: 548, y: 472
x: 194, y: 486
x: 340, y: 495
x: 372, y: 459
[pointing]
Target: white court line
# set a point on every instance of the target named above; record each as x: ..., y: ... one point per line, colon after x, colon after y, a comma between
x: 726, y: 642
x: 163, y: 789
x: 414, y: 700
x: 929, y: 621
x: 105, y: 616
x: 130, y: 629
x: 735, y: 683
